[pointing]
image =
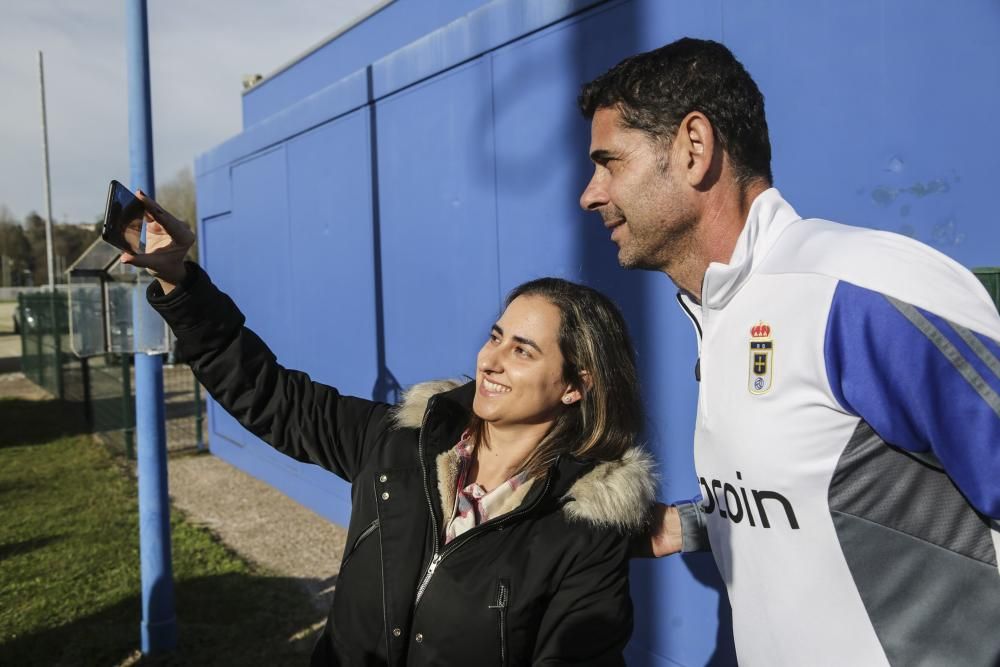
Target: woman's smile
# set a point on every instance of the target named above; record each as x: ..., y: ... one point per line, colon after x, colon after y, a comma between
x: 489, y: 388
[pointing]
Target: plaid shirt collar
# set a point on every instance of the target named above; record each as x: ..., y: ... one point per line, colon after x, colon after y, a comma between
x: 473, y: 505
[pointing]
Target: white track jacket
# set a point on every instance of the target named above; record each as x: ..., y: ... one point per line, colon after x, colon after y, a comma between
x: 848, y: 446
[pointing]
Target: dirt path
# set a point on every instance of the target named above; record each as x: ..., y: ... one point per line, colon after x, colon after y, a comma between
x: 259, y: 522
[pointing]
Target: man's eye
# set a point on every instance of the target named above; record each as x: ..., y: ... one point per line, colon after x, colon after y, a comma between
x: 494, y: 338
x: 522, y: 352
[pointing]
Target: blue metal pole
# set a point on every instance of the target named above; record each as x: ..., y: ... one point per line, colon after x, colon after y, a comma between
x: 159, y: 623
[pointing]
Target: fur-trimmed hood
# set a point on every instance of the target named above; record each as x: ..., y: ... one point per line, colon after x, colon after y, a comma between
x: 612, y: 494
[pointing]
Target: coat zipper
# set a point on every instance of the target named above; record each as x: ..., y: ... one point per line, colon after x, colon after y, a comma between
x: 503, y: 595
x: 357, y: 543
x: 472, y: 534
x: 435, y: 558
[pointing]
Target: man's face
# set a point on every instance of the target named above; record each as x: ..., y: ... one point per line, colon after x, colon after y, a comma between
x: 640, y: 196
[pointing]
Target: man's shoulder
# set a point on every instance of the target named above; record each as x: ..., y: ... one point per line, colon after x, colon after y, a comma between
x: 846, y: 252
x: 887, y: 263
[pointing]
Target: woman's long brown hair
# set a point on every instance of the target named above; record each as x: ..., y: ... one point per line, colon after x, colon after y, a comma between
x: 593, y: 339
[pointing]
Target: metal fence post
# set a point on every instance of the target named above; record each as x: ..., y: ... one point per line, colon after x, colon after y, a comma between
x: 128, y: 434
x: 88, y: 396
x: 22, y: 326
x: 55, y: 310
x: 198, y: 419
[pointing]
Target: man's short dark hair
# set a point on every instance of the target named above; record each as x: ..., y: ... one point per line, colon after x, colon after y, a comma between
x: 655, y: 90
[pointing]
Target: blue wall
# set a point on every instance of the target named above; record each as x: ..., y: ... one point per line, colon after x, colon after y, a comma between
x: 393, y: 185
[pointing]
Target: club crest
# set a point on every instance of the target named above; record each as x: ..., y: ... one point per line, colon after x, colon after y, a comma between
x: 761, y: 358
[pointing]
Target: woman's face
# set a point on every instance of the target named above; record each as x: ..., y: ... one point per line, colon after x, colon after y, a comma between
x: 519, y: 371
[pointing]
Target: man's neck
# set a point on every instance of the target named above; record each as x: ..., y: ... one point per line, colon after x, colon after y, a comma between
x: 723, y: 216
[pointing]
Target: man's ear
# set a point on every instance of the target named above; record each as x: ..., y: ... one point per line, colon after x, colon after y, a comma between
x: 695, y: 147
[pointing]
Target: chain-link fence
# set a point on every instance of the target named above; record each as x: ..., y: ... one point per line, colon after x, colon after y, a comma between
x: 103, y: 387
x: 990, y: 277
x: 43, y: 320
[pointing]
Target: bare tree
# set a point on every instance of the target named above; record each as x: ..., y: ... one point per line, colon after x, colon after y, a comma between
x: 178, y: 196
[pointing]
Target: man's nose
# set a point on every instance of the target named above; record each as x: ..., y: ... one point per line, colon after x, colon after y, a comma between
x: 595, y: 195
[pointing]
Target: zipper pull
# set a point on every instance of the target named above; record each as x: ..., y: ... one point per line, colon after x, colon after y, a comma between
x: 502, y: 594
x: 434, y: 564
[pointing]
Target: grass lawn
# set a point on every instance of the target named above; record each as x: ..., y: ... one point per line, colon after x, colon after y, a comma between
x: 69, y: 563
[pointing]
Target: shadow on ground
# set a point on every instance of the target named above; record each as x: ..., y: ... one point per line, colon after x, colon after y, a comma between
x: 214, y: 614
x: 27, y: 422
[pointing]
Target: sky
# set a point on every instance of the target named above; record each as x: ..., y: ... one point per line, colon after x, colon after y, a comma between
x: 199, y: 52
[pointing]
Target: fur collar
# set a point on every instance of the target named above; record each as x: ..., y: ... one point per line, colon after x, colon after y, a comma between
x: 613, y: 494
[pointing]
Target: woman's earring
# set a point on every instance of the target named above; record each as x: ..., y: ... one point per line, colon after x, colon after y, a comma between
x: 567, y: 399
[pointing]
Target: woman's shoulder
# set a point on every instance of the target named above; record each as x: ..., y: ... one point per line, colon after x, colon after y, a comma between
x: 612, y: 496
x: 409, y: 412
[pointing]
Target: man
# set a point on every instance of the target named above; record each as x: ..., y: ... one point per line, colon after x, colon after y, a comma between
x: 847, y: 440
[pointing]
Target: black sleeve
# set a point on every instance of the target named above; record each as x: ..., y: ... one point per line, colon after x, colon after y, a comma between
x: 589, y: 618
x: 306, y: 420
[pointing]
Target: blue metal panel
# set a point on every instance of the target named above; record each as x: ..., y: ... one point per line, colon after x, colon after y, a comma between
x: 332, y: 267
x: 337, y: 99
x: 251, y: 253
x: 438, y: 222
x: 883, y: 114
x: 542, y: 167
x: 472, y: 35
x: 393, y: 27
x: 214, y: 194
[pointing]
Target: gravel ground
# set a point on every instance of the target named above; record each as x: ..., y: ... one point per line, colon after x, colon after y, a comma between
x: 15, y: 385
x: 260, y: 523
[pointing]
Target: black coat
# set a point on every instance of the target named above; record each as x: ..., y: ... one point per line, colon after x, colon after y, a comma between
x: 545, y: 583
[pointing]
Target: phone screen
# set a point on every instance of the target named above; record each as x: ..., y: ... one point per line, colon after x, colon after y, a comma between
x: 123, y: 218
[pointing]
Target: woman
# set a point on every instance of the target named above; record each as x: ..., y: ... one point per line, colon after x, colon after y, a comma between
x: 489, y: 520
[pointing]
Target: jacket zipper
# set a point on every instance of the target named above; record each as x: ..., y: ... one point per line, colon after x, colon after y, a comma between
x: 470, y: 535
x: 381, y: 564
x: 435, y: 558
x: 699, y: 375
x: 694, y: 320
x: 503, y: 595
x: 357, y: 543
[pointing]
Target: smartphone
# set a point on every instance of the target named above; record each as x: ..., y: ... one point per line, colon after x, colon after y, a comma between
x: 123, y: 218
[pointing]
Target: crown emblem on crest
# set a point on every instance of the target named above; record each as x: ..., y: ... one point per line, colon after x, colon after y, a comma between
x: 761, y: 358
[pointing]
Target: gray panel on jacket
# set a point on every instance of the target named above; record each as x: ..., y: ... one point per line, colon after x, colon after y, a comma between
x: 889, y: 487
x: 928, y: 606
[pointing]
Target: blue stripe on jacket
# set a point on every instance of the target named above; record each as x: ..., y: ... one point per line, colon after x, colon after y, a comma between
x: 922, y: 387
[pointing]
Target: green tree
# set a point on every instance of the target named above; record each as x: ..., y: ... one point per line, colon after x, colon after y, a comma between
x: 14, y: 249
x: 68, y: 242
x: 34, y: 229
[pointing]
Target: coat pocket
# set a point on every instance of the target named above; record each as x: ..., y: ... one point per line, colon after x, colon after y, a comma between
x: 500, y: 604
x: 365, y: 534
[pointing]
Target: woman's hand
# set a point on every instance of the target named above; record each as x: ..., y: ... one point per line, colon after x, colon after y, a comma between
x: 167, y: 243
